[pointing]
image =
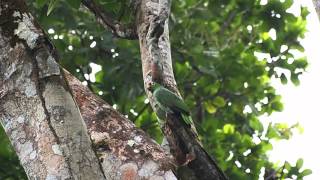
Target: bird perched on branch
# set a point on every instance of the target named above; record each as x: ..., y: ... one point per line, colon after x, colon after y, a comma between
x: 170, y: 103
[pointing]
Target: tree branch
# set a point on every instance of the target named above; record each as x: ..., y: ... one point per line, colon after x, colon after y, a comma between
x: 117, y: 141
x: 106, y: 20
x: 154, y: 41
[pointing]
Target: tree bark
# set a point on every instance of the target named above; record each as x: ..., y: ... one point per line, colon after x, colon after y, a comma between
x: 37, y: 110
x: 119, y: 144
x: 43, y: 121
x: 316, y: 4
x: 153, y: 32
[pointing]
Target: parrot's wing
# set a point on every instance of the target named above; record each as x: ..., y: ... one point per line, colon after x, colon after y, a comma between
x: 169, y: 99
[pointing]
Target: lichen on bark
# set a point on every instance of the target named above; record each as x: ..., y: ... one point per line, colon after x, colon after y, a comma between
x: 45, y: 149
x: 118, y: 142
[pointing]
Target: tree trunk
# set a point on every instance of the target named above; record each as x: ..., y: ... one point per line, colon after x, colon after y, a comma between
x: 37, y: 110
x: 316, y: 4
x: 43, y: 121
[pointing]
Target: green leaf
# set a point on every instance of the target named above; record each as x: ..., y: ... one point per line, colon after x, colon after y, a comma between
x: 74, y: 3
x: 256, y: 124
x: 228, y: 129
x: 304, y: 11
x: 51, y: 6
x: 299, y: 163
x: 41, y: 3
x: 272, y: 133
x: 301, y: 63
x: 306, y: 172
x: 219, y: 101
x: 210, y: 107
x: 99, y: 76
x: 265, y: 35
x: 288, y: 3
x: 277, y: 106
x: 284, y: 79
x: 287, y: 166
x: 295, y: 79
x: 267, y: 147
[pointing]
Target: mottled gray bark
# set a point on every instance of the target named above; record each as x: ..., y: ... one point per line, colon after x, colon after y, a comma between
x: 125, y: 151
x: 43, y: 120
x: 316, y: 4
x: 37, y: 110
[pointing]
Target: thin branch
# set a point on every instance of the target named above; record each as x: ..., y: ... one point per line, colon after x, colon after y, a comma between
x: 108, y: 22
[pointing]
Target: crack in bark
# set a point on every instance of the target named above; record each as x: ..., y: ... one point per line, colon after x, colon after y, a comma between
x: 39, y: 88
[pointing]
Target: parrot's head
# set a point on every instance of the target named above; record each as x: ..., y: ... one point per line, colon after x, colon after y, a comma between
x: 153, y: 86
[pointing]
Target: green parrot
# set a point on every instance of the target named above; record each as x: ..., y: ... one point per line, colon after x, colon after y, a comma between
x: 166, y: 102
x: 169, y: 103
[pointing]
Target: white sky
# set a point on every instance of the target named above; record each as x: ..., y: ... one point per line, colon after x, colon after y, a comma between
x: 302, y: 104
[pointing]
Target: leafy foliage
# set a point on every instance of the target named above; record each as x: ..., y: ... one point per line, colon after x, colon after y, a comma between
x: 10, y: 168
x: 225, y: 54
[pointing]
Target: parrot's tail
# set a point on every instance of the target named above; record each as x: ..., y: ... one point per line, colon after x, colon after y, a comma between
x: 187, y: 119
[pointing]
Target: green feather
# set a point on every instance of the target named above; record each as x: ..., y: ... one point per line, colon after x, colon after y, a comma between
x: 187, y: 119
x: 170, y: 102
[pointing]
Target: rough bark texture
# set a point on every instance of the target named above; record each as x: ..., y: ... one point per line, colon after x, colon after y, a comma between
x: 152, y: 24
x: 37, y: 110
x: 44, y: 123
x: 316, y: 4
x: 124, y: 151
